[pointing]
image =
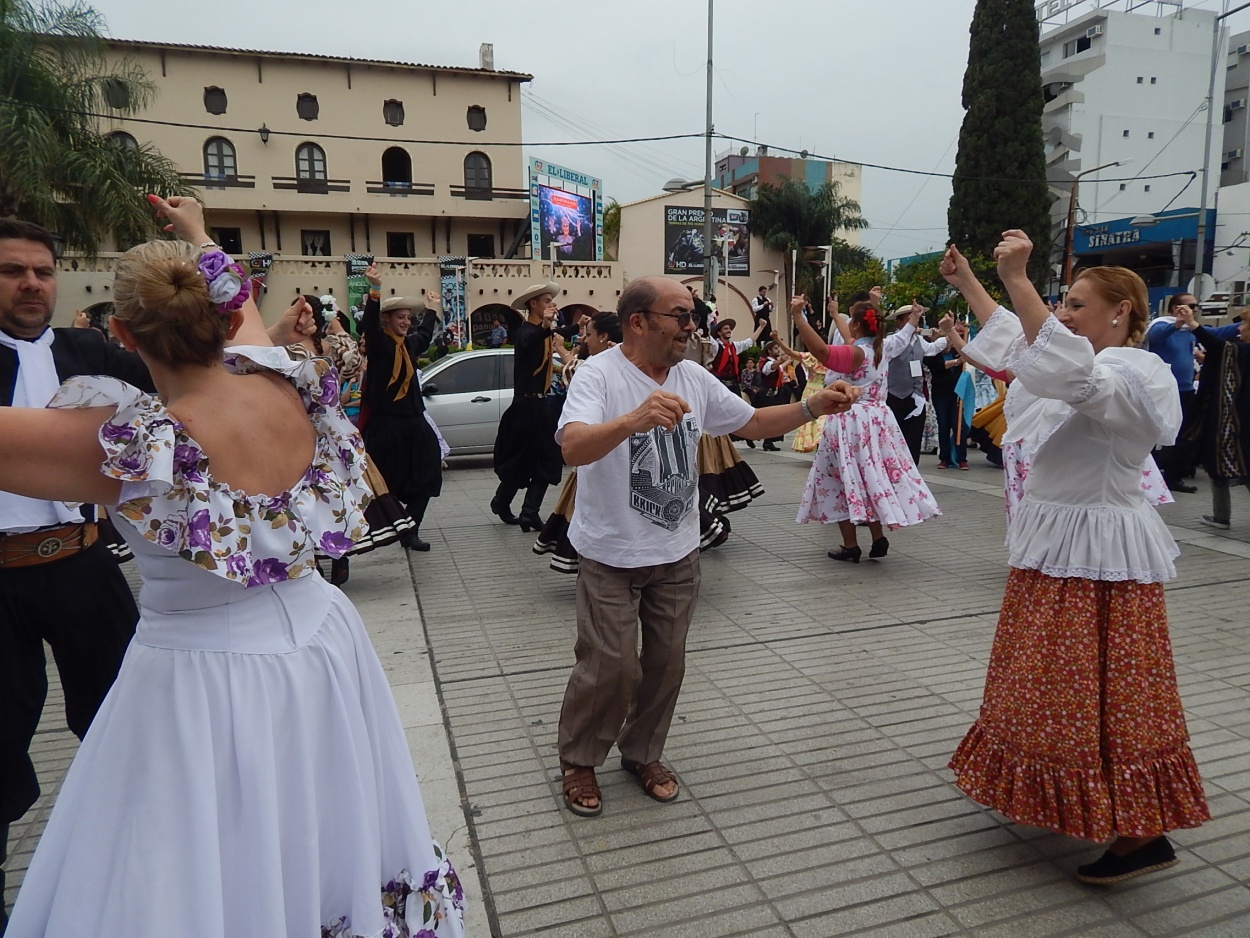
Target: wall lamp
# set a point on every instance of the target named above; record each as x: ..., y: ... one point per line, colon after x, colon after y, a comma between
x: 264, y: 133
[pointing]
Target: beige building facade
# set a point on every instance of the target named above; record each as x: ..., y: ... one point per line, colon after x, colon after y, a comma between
x: 307, y: 158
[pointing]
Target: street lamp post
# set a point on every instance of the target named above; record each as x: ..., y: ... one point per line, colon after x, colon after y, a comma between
x: 1069, y: 234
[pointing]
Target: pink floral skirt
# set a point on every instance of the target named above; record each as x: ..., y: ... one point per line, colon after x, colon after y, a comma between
x: 863, y: 472
x: 1081, y: 729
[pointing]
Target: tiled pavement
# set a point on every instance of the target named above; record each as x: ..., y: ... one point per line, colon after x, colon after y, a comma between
x: 821, y: 703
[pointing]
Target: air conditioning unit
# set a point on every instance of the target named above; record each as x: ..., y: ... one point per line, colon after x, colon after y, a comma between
x: 1236, y: 104
x: 1242, y: 50
x: 1233, y: 154
x: 1093, y: 31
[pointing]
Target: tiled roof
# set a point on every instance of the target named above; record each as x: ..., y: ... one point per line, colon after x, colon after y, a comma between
x: 307, y: 56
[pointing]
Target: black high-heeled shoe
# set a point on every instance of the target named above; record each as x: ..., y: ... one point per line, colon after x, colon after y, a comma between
x: 880, y: 547
x: 503, y: 511
x: 530, y: 522
x: 846, y: 553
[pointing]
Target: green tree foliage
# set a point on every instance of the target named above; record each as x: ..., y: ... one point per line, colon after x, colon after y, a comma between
x: 1000, y: 169
x: 56, y: 168
x: 918, y: 281
x: 790, y: 217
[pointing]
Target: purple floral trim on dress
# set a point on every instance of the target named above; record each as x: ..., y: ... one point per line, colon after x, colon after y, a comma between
x: 170, y: 498
x: 433, y: 908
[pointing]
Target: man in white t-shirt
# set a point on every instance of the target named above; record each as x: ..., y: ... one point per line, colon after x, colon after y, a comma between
x: 631, y: 424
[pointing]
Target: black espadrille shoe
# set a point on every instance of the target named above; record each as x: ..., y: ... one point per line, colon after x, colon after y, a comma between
x: 1109, y: 869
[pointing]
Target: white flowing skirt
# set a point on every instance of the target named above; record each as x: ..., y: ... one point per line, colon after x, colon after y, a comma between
x: 248, y: 775
x: 863, y: 472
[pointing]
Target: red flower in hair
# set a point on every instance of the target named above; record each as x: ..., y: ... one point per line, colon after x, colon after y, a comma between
x: 870, y: 319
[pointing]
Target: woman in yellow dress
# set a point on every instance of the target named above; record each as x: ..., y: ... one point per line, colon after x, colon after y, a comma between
x: 808, y: 435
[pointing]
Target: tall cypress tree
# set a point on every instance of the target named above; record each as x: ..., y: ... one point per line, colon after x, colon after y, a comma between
x: 1000, y: 169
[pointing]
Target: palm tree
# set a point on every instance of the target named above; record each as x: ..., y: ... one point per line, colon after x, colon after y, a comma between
x: 56, y: 168
x: 790, y: 217
x: 611, y: 229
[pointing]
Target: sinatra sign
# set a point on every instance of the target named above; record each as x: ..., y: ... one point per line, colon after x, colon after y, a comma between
x: 1108, y: 239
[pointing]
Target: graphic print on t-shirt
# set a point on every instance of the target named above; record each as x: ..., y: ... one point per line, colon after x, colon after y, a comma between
x: 664, y: 473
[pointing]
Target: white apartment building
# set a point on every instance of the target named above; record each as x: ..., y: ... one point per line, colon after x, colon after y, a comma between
x: 1126, y: 82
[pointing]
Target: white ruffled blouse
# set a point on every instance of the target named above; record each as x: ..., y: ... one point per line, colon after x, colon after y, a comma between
x: 170, y: 498
x: 1086, y: 423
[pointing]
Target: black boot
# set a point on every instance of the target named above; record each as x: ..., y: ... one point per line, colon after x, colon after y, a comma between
x: 880, y: 547
x: 339, y: 571
x: 411, y: 539
x: 530, y: 518
x: 501, y: 504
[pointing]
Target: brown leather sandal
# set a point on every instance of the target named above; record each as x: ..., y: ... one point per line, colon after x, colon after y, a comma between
x: 580, y: 785
x: 651, y: 776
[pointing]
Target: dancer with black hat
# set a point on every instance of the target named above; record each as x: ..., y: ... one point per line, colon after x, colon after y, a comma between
x: 526, y: 454
x: 399, y: 440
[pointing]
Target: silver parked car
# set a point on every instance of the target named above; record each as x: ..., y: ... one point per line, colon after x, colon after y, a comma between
x: 466, y: 393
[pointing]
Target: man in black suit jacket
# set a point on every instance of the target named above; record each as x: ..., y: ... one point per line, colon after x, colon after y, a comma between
x: 57, y: 582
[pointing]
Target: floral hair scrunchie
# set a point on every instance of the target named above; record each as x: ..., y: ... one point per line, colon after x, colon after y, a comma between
x: 227, y: 283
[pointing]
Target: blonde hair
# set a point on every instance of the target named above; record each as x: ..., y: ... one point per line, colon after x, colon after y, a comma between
x: 1119, y: 285
x: 161, y: 296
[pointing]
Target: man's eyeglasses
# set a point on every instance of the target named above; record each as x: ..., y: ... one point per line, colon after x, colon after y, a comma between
x: 683, y: 319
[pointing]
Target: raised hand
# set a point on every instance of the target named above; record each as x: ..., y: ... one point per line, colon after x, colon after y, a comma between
x: 797, y: 305
x: 875, y: 296
x: 185, y: 216
x: 1012, y: 254
x: 81, y: 320
x: 946, y: 325
x: 293, y: 324
x: 955, y: 268
x: 373, y: 275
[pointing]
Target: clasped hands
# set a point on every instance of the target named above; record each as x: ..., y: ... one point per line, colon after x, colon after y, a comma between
x: 666, y: 410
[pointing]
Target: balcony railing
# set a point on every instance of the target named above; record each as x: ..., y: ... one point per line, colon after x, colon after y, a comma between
x: 312, y: 186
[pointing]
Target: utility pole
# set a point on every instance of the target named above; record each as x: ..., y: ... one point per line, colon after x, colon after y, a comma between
x: 1200, y: 261
x: 709, y: 250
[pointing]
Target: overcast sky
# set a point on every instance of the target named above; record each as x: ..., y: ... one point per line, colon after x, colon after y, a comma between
x: 873, y: 81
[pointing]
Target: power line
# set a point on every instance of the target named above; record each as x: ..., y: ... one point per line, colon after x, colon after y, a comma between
x: 477, y: 144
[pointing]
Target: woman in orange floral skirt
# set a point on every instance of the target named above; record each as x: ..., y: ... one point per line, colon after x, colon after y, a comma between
x: 1081, y: 729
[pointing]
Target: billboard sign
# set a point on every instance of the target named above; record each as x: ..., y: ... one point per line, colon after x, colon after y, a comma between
x: 683, y: 239
x: 566, y: 213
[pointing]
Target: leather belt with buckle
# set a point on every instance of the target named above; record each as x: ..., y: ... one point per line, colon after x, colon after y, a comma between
x: 32, y: 548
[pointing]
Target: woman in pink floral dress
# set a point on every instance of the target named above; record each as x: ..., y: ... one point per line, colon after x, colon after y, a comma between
x: 862, y: 473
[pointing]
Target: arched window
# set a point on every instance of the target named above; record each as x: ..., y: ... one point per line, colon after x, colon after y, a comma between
x: 219, y: 159
x: 310, y: 162
x: 396, y: 166
x: 122, y: 139
x: 477, y: 180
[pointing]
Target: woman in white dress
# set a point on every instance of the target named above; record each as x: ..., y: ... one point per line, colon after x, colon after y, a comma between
x: 863, y: 473
x: 248, y: 773
x: 1081, y: 729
